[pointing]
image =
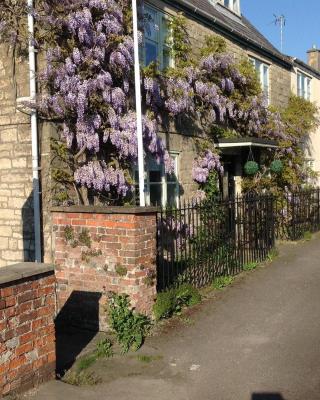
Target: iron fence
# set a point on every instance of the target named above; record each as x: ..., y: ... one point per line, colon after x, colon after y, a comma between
x: 199, y: 241
x: 297, y: 213
x: 202, y: 240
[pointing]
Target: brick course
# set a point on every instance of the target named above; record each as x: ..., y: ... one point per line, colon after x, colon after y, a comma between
x: 120, y: 241
x: 27, y: 331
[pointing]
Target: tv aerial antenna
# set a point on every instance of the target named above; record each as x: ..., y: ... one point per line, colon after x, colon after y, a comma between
x: 280, y: 21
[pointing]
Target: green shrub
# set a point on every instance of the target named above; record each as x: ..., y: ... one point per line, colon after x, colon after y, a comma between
x: 129, y: 327
x: 165, y: 305
x: 173, y: 300
x: 222, y: 281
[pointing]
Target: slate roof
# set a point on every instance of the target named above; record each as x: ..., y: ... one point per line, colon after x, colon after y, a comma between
x: 232, y: 24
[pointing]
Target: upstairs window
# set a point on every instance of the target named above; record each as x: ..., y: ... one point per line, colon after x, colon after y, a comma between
x: 156, y: 33
x: 263, y: 74
x: 303, y: 86
x: 233, y: 5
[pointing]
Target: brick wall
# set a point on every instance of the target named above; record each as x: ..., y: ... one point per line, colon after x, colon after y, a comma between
x: 121, y: 257
x: 27, y: 332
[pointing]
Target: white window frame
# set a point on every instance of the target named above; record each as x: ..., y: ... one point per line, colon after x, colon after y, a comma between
x: 260, y: 67
x: 160, y: 39
x: 304, y: 85
x: 151, y: 165
x: 233, y: 5
x: 164, y: 182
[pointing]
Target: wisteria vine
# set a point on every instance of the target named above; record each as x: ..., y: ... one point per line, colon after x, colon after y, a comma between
x: 87, y: 87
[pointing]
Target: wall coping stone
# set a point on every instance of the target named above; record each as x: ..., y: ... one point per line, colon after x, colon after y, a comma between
x: 106, y: 210
x: 23, y: 270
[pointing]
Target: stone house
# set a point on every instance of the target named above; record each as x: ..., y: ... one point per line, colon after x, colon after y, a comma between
x: 305, y: 82
x: 222, y: 18
x: 204, y: 17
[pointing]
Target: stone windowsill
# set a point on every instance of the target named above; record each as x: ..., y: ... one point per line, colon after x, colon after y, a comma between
x: 23, y: 270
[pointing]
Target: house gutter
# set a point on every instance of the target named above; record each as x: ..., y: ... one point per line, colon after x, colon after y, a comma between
x: 34, y: 136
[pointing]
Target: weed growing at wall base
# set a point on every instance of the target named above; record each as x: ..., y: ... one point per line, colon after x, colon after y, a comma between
x: 272, y: 255
x: 82, y: 378
x: 222, y: 281
x: 307, y: 236
x: 172, y: 301
x: 250, y: 266
x: 129, y: 327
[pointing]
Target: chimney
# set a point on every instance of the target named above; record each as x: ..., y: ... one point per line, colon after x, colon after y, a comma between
x: 314, y: 58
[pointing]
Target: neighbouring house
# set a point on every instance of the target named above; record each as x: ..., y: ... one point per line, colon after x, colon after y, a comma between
x: 305, y: 83
x: 205, y: 17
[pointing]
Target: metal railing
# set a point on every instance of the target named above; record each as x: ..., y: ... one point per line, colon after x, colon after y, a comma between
x: 199, y: 241
x: 202, y: 240
x: 297, y: 213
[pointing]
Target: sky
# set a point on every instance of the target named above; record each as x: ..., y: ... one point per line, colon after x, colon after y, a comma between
x: 302, y: 29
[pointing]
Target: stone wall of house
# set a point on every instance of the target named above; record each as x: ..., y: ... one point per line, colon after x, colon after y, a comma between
x: 280, y: 77
x: 27, y: 330
x: 16, y: 212
x: 99, y: 250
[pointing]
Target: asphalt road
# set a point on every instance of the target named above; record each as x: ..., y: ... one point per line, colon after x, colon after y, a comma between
x: 257, y: 340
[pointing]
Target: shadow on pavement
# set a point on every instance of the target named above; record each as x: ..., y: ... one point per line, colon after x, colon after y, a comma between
x: 80, y: 310
x: 267, y: 396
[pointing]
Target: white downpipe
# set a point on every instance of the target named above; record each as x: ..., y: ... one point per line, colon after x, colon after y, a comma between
x: 34, y: 137
x: 138, y: 103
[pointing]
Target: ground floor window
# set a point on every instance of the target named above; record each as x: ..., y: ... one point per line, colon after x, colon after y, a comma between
x: 161, y: 189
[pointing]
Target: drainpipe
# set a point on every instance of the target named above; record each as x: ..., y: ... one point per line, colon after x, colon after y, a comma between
x: 34, y: 136
x: 137, y: 78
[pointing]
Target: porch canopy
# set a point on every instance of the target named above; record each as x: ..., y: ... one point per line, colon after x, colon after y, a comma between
x: 224, y: 143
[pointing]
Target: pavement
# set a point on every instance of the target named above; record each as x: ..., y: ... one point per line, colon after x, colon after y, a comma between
x: 258, y: 339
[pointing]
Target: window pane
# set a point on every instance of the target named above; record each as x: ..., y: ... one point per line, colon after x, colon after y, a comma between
x: 308, y: 89
x: 172, y: 177
x: 165, y: 30
x: 265, y: 75
x: 166, y: 59
x: 265, y: 78
x: 151, y: 27
x: 155, y: 176
x: 155, y: 194
x: 172, y: 192
x: 151, y: 52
